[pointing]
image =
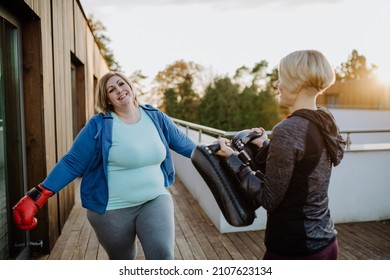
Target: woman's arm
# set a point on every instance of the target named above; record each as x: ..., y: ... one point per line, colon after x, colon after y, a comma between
x: 75, y: 161
x: 177, y: 140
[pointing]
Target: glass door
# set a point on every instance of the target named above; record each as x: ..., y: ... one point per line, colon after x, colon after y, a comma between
x: 13, y: 242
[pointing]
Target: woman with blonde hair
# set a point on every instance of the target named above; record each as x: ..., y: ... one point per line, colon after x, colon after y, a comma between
x: 294, y: 187
x: 123, y: 156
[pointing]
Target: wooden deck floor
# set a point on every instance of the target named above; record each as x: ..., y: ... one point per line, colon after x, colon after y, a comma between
x: 198, y: 239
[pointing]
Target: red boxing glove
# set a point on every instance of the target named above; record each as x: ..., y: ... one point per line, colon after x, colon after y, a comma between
x: 24, y: 211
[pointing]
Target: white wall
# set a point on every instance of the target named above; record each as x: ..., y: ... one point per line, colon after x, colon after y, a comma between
x: 364, y: 120
x: 360, y: 186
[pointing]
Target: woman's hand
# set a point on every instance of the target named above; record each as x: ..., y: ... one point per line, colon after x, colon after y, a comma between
x: 259, y: 141
x: 225, y: 150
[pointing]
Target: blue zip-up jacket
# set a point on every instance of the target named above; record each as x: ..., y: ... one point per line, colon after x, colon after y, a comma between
x: 87, y: 158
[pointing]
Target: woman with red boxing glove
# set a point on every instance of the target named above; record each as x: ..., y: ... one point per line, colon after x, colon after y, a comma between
x: 123, y: 156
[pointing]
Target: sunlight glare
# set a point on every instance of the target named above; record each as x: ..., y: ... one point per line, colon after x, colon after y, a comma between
x: 383, y: 75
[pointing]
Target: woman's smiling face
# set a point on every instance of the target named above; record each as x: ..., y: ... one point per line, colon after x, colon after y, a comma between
x: 119, y: 92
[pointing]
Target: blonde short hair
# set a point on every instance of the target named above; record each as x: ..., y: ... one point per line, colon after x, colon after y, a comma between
x: 306, y: 68
x: 102, y: 105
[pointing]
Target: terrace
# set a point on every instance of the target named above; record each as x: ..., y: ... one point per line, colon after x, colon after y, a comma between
x: 359, y: 205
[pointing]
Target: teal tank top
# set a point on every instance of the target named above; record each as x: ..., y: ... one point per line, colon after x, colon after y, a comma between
x: 134, y: 163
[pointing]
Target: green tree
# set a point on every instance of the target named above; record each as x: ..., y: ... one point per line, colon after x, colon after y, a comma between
x: 257, y: 109
x: 254, y: 77
x: 355, y: 68
x: 103, y: 41
x: 271, y: 80
x: 247, y: 100
x: 257, y: 103
x: 178, y: 85
x: 218, y: 107
x: 181, y: 101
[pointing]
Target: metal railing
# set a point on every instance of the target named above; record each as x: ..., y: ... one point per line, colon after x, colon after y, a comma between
x: 217, y: 132
x: 360, y: 131
x: 200, y: 128
x: 205, y: 129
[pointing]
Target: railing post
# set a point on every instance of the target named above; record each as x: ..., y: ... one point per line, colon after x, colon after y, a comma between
x: 348, y: 141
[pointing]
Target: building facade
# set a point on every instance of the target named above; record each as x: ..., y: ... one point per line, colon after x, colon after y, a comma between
x: 49, y: 67
x: 369, y: 94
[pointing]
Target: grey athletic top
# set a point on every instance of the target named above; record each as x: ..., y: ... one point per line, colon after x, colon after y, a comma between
x: 294, y: 188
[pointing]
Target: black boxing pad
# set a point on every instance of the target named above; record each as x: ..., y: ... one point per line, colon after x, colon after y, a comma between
x: 223, y: 185
x: 241, y: 141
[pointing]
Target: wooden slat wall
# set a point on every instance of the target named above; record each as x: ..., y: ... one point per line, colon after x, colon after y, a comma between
x: 80, y: 42
x: 81, y: 49
x: 44, y: 12
x: 64, y: 31
x: 39, y: 110
x: 43, y: 9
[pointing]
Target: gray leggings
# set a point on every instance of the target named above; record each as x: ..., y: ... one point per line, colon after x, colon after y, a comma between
x: 152, y: 222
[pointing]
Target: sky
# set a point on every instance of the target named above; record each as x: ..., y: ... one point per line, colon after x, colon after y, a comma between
x: 223, y: 35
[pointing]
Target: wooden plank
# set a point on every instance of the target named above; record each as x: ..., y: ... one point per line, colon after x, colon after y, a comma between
x: 356, y: 245
x: 59, y: 48
x: 102, y: 255
x: 81, y: 248
x: 81, y: 219
x: 190, y: 227
x: 257, y: 237
x: 48, y: 83
x: 177, y: 252
x: 80, y: 44
x: 92, y: 248
x: 182, y: 244
x: 69, y: 20
x: 243, y: 248
x: 192, y: 241
x: 213, y: 237
x: 60, y: 244
x: 34, y: 128
x: 346, y: 251
x: 374, y: 237
x: 197, y: 238
x: 71, y: 244
x: 207, y: 248
x: 362, y: 243
x: 381, y: 227
x: 229, y: 241
x: 140, y: 252
x: 185, y: 211
x: 253, y: 246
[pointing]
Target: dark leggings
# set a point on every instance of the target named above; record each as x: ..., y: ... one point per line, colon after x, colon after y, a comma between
x: 152, y: 222
x: 330, y: 252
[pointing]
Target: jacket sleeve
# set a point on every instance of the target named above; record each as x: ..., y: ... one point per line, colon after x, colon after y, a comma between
x: 177, y: 140
x: 260, y: 158
x: 251, y: 182
x: 74, y: 162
